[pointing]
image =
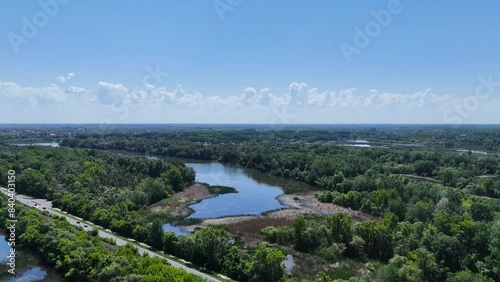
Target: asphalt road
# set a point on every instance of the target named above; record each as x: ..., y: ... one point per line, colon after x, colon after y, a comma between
x: 43, y: 204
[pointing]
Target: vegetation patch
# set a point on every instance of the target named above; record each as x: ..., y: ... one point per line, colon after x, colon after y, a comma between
x: 252, y: 227
x: 219, y: 189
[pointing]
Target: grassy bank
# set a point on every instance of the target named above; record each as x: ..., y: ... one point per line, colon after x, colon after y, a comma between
x: 219, y: 189
x: 176, y: 207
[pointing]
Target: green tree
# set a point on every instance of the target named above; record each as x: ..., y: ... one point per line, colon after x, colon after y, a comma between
x: 173, y: 177
x: 32, y: 182
x: 494, y: 248
x: 467, y: 276
x: 155, y: 236
x: 339, y: 228
x: 267, y: 264
x: 299, y: 226
x: 424, y: 168
x: 169, y: 242
x: 154, y: 188
x: 481, y: 211
x: 427, y: 263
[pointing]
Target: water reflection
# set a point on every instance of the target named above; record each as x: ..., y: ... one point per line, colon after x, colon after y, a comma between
x: 177, y: 230
x: 253, y: 197
x: 34, y: 273
x: 4, y: 249
x: 44, y: 144
x: 29, y: 275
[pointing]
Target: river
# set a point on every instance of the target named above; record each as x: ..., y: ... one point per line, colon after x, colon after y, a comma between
x: 257, y: 192
x: 31, y: 271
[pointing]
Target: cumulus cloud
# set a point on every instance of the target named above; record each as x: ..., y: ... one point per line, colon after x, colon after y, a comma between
x: 178, y: 95
x: 137, y: 96
x: 109, y: 93
x: 63, y: 79
x: 163, y: 95
x: 75, y: 90
x: 316, y: 98
x: 418, y: 99
x: 250, y: 97
x: 299, y: 96
x: 11, y: 92
x: 194, y: 99
x: 298, y: 93
x: 345, y: 98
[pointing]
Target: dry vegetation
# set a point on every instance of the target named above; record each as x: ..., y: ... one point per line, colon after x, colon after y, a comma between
x: 177, y: 205
x: 249, y: 226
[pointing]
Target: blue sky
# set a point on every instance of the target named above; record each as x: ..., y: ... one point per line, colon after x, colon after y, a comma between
x: 250, y: 61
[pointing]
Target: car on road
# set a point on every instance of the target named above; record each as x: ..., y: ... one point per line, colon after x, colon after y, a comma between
x: 85, y: 225
x: 78, y: 222
x: 44, y: 208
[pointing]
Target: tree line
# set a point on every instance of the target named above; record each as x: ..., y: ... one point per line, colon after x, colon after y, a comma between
x: 82, y: 256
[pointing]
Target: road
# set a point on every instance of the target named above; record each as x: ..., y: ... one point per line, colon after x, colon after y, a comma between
x: 43, y: 204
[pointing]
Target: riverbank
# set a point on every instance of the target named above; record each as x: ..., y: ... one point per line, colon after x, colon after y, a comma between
x: 308, y: 203
x: 176, y: 207
x: 299, y: 204
x: 28, y: 265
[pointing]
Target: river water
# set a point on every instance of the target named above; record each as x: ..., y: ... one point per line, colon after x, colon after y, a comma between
x: 43, y: 144
x: 257, y: 192
x: 32, y: 273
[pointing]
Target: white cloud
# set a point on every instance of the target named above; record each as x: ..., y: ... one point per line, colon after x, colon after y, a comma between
x: 138, y: 96
x: 249, y: 96
x: 75, y: 90
x: 418, y: 99
x: 194, y: 99
x: 215, y: 102
x: 318, y: 99
x: 373, y: 105
x: 63, y: 79
x: 11, y: 92
x: 109, y: 93
x: 345, y: 98
x: 299, y: 93
x: 163, y: 95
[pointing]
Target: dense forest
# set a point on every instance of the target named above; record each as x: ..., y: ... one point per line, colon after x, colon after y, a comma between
x: 324, y: 165
x: 102, y: 187
x: 484, y: 137
x: 82, y: 256
x: 436, y: 210
x: 109, y: 190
